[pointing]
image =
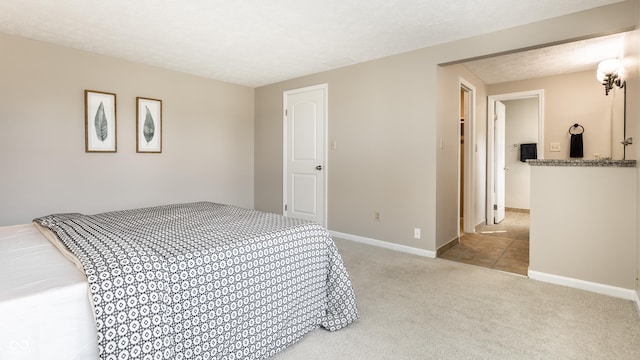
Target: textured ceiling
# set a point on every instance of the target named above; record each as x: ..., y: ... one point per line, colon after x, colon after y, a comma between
x: 259, y: 42
x: 553, y: 60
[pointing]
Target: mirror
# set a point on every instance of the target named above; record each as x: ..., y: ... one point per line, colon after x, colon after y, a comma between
x: 618, y: 122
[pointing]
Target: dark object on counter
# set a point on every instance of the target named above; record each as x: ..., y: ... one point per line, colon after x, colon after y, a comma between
x: 528, y: 151
x: 576, y: 147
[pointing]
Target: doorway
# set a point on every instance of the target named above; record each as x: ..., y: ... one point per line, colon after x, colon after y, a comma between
x: 510, y: 146
x: 304, y: 153
x: 502, y: 244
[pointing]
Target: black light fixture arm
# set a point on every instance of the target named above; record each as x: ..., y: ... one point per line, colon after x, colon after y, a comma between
x: 610, y: 81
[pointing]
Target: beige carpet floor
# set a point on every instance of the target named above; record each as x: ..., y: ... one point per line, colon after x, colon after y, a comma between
x: 418, y: 308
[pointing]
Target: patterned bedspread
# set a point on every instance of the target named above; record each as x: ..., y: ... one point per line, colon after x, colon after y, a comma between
x: 205, y: 280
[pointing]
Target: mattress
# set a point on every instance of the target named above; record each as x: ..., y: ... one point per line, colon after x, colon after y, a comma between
x: 45, y: 311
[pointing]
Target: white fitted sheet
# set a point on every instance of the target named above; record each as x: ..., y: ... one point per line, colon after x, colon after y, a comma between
x: 45, y: 312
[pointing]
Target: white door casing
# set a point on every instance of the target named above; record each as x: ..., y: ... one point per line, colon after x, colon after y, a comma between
x: 500, y: 168
x: 304, y: 178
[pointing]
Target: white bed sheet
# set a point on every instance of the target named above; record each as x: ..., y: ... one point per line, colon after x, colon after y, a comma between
x: 45, y: 311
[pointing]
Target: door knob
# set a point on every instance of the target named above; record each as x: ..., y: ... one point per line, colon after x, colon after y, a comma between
x: 319, y: 167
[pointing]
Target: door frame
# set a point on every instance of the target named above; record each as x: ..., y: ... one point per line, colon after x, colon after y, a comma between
x: 324, y: 142
x: 469, y: 213
x: 491, y: 100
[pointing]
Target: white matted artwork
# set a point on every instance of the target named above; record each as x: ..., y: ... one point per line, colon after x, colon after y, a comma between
x: 100, y: 121
x: 148, y: 125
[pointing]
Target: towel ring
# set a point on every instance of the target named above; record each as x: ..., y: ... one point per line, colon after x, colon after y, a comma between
x: 576, y: 126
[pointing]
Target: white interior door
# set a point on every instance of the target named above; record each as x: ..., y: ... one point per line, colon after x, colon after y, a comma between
x: 500, y: 167
x: 304, y: 158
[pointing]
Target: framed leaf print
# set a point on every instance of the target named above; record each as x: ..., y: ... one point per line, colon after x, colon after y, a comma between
x: 148, y: 125
x: 100, y: 121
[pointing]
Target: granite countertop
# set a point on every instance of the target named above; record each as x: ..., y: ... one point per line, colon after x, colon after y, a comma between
x: 583, y: 162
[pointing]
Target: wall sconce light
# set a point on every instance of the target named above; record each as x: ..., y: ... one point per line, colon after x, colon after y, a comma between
x: 610, y: 73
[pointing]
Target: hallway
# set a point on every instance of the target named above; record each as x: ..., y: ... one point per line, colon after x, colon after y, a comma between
x: 504, y: 246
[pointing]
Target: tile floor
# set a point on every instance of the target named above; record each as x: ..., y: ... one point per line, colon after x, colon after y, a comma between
x: 504, y: 246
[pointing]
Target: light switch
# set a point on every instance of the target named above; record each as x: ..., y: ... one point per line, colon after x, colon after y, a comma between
x: 333, y: 145
x: 555, y: 147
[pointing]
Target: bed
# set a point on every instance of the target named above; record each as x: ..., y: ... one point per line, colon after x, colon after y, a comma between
x: 185, y: 281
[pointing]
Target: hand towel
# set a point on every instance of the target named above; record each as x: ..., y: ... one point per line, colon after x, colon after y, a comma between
x: 575, y: 150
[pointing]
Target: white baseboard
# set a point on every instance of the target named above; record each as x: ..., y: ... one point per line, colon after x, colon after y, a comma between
x: 609, y: 290
x: 384, y: 244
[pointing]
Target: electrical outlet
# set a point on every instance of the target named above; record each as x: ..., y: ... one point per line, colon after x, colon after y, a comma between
x: 376, y: 215
x: 416, y: 233
x: 555, y: 147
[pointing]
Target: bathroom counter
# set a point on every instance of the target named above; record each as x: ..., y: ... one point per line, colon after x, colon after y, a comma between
x: 582, y: 162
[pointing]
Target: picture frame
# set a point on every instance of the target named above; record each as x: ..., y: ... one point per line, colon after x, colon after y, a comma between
x: 100, y: 121
x: 148, y: 125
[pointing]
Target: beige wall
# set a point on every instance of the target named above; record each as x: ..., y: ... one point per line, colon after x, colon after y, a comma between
x: 572, y: 238
x: 372, y: 110
x: 207, y: 151
x: 384, y: 117
x: 569, y: 99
